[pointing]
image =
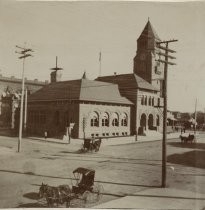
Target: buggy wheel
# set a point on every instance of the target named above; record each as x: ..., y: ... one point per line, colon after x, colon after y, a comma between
x: 98, y: 191
x: 88, y: 197
x: 42, y: 201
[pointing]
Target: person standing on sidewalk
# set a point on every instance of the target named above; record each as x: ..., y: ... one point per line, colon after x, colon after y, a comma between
x: 45, y: 135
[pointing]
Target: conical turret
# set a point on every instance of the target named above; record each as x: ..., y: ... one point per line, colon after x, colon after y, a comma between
x: 145, y: 64
x: 149, y: 32
x: 84, y: 75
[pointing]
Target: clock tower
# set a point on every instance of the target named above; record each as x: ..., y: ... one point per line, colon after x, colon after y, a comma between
x: 145, y: 62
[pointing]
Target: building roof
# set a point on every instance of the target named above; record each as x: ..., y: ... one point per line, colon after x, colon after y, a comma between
x: 129, y: 81
x: 149, y: 31
x: 83, y: 90
x: 12, y: 79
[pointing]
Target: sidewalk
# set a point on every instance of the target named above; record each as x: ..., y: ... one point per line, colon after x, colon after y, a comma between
x: 158, y: 198
x: 111, y: 141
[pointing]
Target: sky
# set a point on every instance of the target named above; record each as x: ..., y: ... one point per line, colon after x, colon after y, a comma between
x: 77, y: 31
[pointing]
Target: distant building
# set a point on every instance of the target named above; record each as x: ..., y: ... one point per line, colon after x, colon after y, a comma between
x: 177, y: 115
x: 171, y: 120
x: 10, y: 93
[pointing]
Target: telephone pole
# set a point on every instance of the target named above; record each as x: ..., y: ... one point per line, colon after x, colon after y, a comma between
x: 204, y: 116
x: 166, y: 63
x: 24, y: 52
x: 25, y: 109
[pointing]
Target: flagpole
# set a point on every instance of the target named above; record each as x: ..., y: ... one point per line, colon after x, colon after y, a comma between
x: 100, y: 64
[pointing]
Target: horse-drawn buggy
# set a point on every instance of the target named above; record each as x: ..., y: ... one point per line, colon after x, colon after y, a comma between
x: 187, y: 138
x: 91, y: 145
x: 85, y: 189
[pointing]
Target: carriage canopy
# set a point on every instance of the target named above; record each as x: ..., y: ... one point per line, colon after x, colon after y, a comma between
x: 84, y: 171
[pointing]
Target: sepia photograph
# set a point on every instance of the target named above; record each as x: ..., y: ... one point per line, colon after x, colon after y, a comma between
x: 102, y: 104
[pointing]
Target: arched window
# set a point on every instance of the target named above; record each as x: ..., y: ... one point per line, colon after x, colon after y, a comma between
x: 142, y: 100
x: 150, y: 101
x: 115, y: 119
x: 124, y: 120
x: 153, y: 101
x: 145, y: 100
x: 94, y: 119
x: 105, y: 119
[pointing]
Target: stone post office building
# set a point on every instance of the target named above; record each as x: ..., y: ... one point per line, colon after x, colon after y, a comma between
x: 96, y: 108
x: 113, y: 105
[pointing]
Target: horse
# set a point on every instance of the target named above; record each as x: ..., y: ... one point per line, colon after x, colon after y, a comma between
x: 186, y: 139
x: 57, y: 195
x: 97, y: 144
x: 92, y: 144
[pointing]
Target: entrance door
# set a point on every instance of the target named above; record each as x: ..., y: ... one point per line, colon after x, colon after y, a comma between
x: 143, y: 121
x: 150, y: 122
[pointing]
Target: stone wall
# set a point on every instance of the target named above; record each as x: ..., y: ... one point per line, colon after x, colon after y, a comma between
x: 148, y: 109
x: 42, y: 117
x: 86, y: 111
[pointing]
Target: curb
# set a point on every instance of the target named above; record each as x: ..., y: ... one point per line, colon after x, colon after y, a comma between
x: 120, y: 143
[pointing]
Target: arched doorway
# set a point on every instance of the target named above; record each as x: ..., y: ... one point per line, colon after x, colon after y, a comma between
x: 150, y: 122
x: 143, y: 121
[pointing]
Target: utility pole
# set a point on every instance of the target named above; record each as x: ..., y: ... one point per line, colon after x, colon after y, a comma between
x: 24, y: 54
x: 166, y: 62
x: 136, y: 131
x: 84, y: 126
x: 204, y: 117
x: 25, y: 109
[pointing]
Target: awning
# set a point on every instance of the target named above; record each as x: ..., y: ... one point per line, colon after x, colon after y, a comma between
x: 172, y: 118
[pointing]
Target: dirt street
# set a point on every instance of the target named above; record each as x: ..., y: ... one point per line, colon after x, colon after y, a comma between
x: 121, y: 169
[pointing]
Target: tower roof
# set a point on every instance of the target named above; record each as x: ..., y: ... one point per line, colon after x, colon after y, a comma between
x: 149, y: 31
x: 128, y: 81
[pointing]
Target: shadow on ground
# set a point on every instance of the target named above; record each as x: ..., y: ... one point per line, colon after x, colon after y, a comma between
x: 68, y: 178
x: 42, y: 203
x: 194, y: 158
x: 31, y: 205
x: 32, y: 195
x: 188, y: 145
x: 71, y: 152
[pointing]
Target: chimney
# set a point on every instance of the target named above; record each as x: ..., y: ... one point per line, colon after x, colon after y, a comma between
x: 56, y: 74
